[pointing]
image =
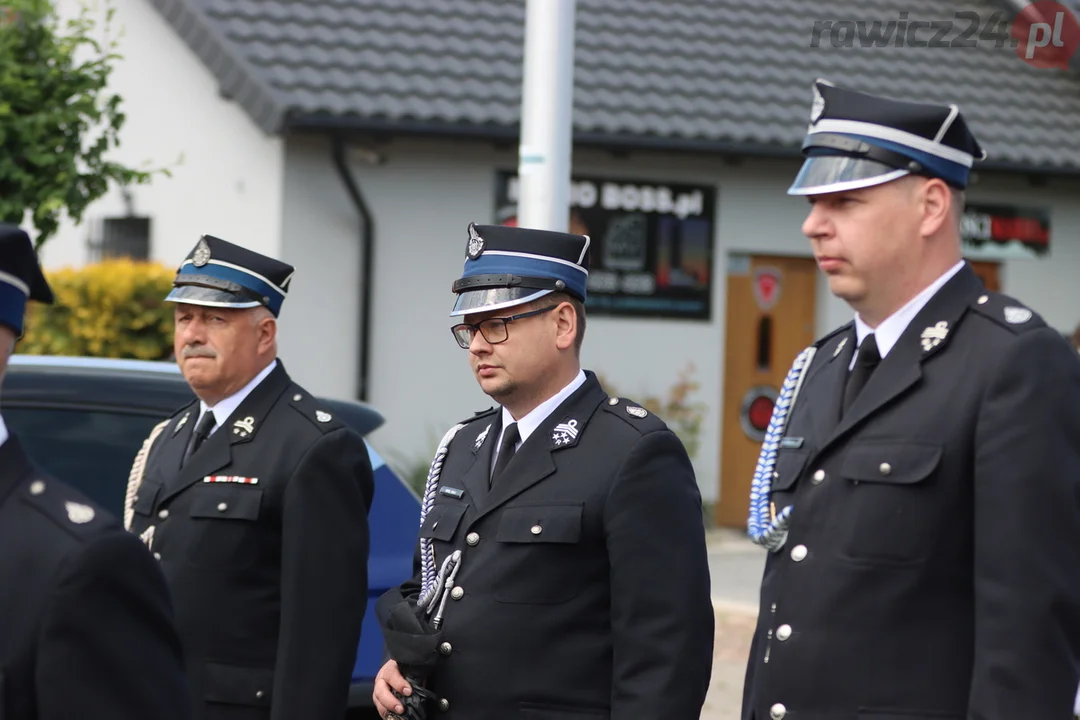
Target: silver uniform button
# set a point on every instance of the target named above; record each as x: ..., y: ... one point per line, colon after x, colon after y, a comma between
x: 446, y: 648
x: 783, y: 632
x: 37, y: 487
x: 536, y: 529
x: 777, y: 711
x: 457, y: 593
x: 983, y: 299
x: 472, y: 538
x: 798, y: 553
x: 157, y: 556
x: 163, y: 514
x: 259, y: 694
x: 444, y: 704
x: 885, y: 468
x: 819, y: 476
x: 222, y: 507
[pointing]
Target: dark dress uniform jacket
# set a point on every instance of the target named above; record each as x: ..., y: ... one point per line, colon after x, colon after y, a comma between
x: 263, y: 537
x: 932, y: 568
x: 86, y: 626
x: 583, y: 590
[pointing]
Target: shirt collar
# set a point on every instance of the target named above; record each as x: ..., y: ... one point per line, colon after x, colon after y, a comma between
x: 892, y: 327
x: 528, y: 424
x: 3, y: 431
x: 228, y: 406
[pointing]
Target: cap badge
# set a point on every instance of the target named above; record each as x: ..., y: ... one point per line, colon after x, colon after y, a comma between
x: 818, y: 106
x: 79, y: 513
x: 202, y: 253
x: 1017, y: 315
x: 565, y: 432
x: 476, y: 243
x: 932, y: 336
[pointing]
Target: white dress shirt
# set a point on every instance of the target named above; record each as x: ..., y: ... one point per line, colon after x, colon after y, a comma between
x: 226, y: 407
x: 528, y: 424
x: 3, y: 431
x: 891, y: 328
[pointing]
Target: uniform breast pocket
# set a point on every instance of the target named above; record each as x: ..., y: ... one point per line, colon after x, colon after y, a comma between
x: 145, y: 498
x: 223, y: 527
x: 894, y: 497
x: 544, y: 562
x: 441, y: 525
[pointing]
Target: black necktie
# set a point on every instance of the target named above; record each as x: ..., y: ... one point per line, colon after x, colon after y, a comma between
x: 202, y: 431
x: 865, y: 362
x: 506, y: 451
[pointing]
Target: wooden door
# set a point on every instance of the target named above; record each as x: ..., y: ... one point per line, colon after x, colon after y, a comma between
x: 770, y: 320
x: 988, y: 273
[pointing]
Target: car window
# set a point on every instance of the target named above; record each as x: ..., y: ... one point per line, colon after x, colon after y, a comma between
x: 90, y: 450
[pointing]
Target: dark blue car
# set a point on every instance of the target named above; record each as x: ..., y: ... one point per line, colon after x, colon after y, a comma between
x: 84, y: 419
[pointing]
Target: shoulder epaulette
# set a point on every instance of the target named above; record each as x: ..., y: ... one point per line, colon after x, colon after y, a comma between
x: 480, y: 414
x: 67, y: 508
x: 1007, y: 312
x: 634, y: 415
x: 310, y: 408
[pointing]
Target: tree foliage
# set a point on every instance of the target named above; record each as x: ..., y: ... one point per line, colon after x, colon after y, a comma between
x: 58, y: 119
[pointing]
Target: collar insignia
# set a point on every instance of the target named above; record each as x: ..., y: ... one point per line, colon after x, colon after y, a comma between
x: 244, y: 427
x: 843, y: 343
x: 566, y: 432
x: 481, y: 438
x: 932, y: 336
x: 182, y: 423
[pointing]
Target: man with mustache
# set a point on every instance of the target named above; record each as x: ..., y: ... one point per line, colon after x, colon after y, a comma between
x: 86, y: 625
x: 254, y: 499
x: 563, y: 570
x: 920, y: 501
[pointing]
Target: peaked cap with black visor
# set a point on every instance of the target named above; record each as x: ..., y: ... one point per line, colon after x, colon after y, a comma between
x: 857, y: 140
x: 217, y: 273
x: 21, y: 277
x: 508, y: 266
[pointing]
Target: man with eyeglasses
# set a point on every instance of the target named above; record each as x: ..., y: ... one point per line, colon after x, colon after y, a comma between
x: 562, y: 568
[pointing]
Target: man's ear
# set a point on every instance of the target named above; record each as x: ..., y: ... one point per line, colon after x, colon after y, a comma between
x: 565, y: 325
x: 936, y: 201
x: 267, y: 333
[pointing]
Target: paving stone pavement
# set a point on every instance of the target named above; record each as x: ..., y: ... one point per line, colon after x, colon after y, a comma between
x: 733, y: 632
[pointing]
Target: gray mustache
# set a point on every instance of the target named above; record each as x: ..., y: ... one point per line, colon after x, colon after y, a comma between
x: 197, y: 351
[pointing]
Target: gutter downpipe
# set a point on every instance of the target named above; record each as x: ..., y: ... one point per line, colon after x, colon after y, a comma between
x: 367, y: 235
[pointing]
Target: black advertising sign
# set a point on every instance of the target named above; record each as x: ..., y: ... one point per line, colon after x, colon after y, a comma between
x: 651, y: 250
x: 995, y: 232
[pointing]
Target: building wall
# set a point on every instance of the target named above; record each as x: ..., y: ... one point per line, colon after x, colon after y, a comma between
x: 226, y: 174
x: 424, y: 193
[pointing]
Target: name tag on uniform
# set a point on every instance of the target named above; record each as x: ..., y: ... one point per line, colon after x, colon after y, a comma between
x: 452, y: 492
x: 791, y: 443
x: 230, y: 479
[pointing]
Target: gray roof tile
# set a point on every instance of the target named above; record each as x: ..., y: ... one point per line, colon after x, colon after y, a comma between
x: 723, y: 74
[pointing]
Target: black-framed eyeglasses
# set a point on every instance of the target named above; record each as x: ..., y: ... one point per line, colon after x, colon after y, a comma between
x: 493, y: 329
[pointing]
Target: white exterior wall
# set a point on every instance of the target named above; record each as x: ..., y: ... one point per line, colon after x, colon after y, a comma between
x: 226, y: 173
x: 426, y: 192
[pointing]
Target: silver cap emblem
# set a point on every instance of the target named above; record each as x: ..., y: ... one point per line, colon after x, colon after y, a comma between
x: 476, y: 243
x: 202, y: 253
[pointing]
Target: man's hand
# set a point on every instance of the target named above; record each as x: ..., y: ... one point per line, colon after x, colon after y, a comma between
x: 387, y: 681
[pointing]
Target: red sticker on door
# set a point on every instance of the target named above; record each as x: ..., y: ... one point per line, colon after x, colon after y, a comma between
x: 766, y: 287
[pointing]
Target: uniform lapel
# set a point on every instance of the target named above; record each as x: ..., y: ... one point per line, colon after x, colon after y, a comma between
x: 535, y: 460
x: 902, y: 367
x: 172, y: 450
x: 216, y: 452
x: 476, y: 475
x: 14, y: 466
x: 824, y: 388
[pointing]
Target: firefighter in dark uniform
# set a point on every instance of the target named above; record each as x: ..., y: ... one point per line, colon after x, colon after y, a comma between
x: 254, y: 499
x: 919, y: 485
x: 86, y: 625
x: 562, y: 565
